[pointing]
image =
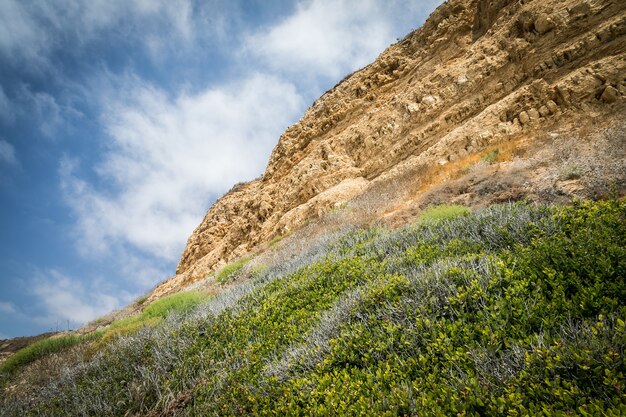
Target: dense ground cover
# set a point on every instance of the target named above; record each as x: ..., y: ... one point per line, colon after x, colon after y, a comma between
x: 513, y: 310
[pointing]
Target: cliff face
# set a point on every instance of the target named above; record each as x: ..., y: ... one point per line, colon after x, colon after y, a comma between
x: 478, y: 74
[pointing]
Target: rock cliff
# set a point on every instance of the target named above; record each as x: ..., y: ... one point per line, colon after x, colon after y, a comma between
x: 497, y: 81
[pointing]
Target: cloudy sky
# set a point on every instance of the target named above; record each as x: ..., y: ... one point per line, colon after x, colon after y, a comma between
x: 122, y: 121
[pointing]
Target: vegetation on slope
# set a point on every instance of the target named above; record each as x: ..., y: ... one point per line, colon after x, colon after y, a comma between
x: 510, y: 310
x: 153, y: 314
x: 181, y: 303
x: 39, y: 349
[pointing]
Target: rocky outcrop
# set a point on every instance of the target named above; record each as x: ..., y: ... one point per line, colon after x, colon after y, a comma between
x: 478, y: 73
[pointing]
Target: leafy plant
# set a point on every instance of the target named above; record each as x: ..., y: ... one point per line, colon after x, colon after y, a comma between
x: 444, y: 211
x: 182, y: 303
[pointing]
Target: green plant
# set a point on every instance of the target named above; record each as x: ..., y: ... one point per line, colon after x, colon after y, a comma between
x: 40, y: 349
x: 465, y: 171
x: 140, y: 300
x: 229, y: 271
x: 442, y: 212
x: 491, y: 156
x: 181, y: 302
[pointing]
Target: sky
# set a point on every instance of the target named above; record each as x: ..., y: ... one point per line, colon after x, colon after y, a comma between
x: 122, y: 121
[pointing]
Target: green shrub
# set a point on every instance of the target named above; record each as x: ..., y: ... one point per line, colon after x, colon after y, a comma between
x: 443, y: 212
x: 275, y: 240
x: 231, y: 270
x: 570, y: 172
x: 153, y: 314
x: 142, y: 299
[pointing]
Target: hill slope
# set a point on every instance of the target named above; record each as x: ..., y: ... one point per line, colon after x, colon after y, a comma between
x: 476, y: 309
x: 510, y: 310
x: 528, y: 83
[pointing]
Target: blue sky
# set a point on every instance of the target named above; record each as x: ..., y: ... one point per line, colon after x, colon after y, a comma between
x: 122, y: 121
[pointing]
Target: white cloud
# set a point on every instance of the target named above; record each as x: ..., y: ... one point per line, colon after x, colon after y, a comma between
x: 145, y: 271
x: 7, y: 153
x: 64, y: 298
x: 20, y: 34
x: 31, y: 30
x: 166, y: 157
x: 333, y: 37
x: 323, y: 37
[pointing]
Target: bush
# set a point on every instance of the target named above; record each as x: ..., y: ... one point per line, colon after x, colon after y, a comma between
x: 231, y: 270
x: 181, y: 302
x: 443, y: 212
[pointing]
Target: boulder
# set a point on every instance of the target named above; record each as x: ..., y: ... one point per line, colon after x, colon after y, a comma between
x: 552, y: 106
x: 524, y: 118
x: 543, y: 24
x: 610, y: 94
x: 429, y: 100
x: 534, y: 114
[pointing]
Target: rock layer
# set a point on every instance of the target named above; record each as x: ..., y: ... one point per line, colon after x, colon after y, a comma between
x: 477, y: 73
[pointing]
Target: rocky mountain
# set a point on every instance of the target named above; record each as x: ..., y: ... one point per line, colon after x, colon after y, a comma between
x: 491, y: 100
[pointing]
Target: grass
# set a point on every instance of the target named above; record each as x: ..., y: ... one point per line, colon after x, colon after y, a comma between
x: 140, y: 300
x: 39, y: 349
x: 510, y: 310
x: 154, y: 313
x: 181, y: 303
x: 229, y: 272
x: 443, y: 212
x: 275, y: 240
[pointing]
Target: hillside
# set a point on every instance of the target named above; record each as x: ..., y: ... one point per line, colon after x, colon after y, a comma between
x: 513, y: 310
x: 442, y: 233
x: 537, y: 85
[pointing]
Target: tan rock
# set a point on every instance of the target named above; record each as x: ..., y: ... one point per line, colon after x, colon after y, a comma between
x: 533, y: 114
x: 429, y: 100
x: 462, y: 80
x: 524, y: 118
x: 412, y: 108
x: 543, y: 23
x: 610, y: 94
x: 552, y: 106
